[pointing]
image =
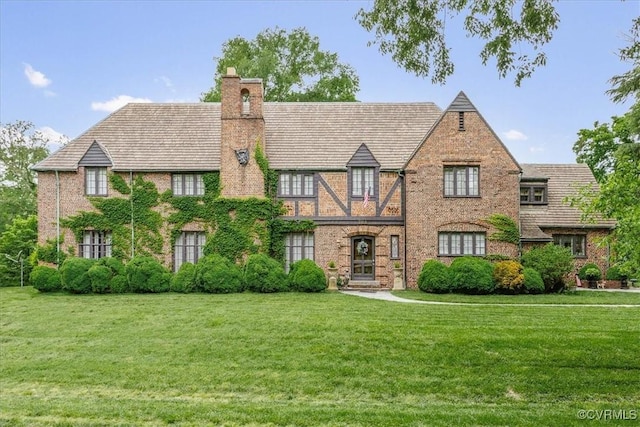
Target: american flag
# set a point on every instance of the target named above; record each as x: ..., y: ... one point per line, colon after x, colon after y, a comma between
x: 365, y: 202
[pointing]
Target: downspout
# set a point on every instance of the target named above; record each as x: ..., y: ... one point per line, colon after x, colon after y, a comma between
x: 404, y: 225
x: 133, y: 235
x: 57, y: 220
x: 519, y: 218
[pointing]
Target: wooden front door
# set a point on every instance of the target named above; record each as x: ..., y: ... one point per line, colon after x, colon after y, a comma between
x: 362, y: 258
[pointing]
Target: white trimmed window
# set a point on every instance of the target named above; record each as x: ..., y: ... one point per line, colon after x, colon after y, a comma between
x: 362, y: 180
x: 95, y: 244
x: 454, y: 244
x: 461, y: 181
x: 95, y: 181
x: 187, y: 184
x: 188, y: 248
x: 298, y: 246
x: 296, y: 184
x: 576, y: 243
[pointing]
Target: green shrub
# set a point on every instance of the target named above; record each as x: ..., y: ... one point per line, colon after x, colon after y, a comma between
x: 100, y: 277
x: 75, y: 275
x: 184, y: 280
x: 146, y: 274
x: 592, y: 273
x: 553, y: 262
x: 533, y: 283
x: 434, y: 277
x: 114, y: 264
x: 306, y: 276
x: 614, y: 273
x: 471, y: 275
x: 119, y: 284
x: 218, y: 275
x: 582, y: 273
x: 45, y: 279
x: 264, y: 274
x: 508, y: 276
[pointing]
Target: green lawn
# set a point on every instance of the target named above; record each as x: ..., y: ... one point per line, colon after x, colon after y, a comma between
x: 309, y: 360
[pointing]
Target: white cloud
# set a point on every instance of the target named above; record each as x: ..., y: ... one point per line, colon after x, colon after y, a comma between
x: 116, y: 103
x: 36, y: 78
x: 515, y: 135
x: 166, y: 81
x: 54, y: 139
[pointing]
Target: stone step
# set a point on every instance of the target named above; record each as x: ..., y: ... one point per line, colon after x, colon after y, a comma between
x: 364, y: 284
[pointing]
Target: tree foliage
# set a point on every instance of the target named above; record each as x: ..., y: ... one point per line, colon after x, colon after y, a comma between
x: 413, y: 33
x: 291, y: 66
x: 20, y: 148
x: 17, y: 242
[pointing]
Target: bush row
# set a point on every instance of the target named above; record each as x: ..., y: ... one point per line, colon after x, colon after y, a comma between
x: 212, y: 274
x: 542, y: 269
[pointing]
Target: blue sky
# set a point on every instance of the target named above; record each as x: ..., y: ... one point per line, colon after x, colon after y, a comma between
x: 64, y: 65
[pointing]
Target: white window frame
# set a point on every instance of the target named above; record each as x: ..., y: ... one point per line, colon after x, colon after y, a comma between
x: 362, y: 180
x: 95, y: 181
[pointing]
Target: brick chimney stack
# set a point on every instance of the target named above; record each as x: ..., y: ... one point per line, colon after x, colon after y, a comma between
x: 242, y: 130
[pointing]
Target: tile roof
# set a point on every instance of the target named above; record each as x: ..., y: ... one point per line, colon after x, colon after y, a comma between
x: 563, y: 180
x: 301, y: 135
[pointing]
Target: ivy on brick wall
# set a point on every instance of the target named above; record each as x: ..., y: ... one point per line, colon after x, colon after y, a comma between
x: 235, y: 227
x: 508, y: 231
x: 116, y: 214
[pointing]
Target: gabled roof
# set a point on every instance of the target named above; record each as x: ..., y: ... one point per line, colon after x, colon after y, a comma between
x: 563, y: 180
x: 299, y: 135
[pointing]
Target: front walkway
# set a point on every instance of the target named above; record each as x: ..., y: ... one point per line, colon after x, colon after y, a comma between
x: 388, y: 296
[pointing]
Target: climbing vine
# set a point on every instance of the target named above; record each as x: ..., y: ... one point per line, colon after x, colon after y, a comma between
x: 508, y: 231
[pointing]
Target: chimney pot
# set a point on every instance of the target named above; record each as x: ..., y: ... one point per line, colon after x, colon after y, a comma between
x: 231, y: 71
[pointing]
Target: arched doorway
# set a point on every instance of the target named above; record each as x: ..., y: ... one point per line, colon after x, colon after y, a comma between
x: 362, y: 258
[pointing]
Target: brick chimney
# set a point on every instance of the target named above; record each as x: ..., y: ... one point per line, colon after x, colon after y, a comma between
x: 242, y: 130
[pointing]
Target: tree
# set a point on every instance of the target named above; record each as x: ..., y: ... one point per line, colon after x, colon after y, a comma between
x: 17, y: 242
x: 20, y: 148
x: 413, y: 32
x: 291, y: 65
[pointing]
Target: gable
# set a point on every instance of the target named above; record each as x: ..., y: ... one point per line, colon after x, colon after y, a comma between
x: 95, y: 156
x: 363, y: 157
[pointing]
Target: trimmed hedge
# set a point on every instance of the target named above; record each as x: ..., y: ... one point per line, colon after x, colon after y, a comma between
x: 434, y: 277
x: 614, y: 273
x: 471, y: 275
x: 184, y: 280
x: 508, y: 276
x: 100, y: 277
x: 533, y: 283
x: 582, y: 273
x: 264, y: 274
x: 553, y: 262
x: 75, y: 275
x: 218, y: 275
x: 45, y: 279
x: 306, y: 276
x: 146, y: 275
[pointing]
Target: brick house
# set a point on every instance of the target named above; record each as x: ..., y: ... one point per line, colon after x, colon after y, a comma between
x: 382, y: 182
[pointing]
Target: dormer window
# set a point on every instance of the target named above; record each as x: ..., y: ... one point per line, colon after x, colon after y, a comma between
x: 533, y: 194
x: 362, y: 182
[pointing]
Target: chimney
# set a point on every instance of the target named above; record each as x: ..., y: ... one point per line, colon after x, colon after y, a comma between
x: 242, y: 130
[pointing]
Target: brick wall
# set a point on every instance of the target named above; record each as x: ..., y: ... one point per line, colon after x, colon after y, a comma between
x: 428, y: 211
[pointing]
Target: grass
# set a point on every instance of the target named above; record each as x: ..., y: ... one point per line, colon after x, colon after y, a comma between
x: 308, y: 360
x: 574, y: 297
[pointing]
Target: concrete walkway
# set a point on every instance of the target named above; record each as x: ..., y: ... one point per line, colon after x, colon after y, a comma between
x: 387, y: 296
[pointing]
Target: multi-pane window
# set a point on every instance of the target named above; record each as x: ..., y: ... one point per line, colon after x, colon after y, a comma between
x: 461, y: 244
x: 533, y: 194
x: 395, y: 247
x: 461, y: 181
x: 298, y: 246
x: 95, y: 244
x: 187, y: 184
x: 576, y: 243
x: 362, y: 182
x: 95, y: 181
x: 296, y: 184
x: 188, y: 248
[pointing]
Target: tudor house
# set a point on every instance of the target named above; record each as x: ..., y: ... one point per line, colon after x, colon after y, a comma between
x: 382, y: 182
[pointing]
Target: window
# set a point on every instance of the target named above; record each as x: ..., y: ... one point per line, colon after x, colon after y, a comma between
x: 188, y: 248
x: 461, y: 181
x: 95, y: 244
x: 298, y: 246
x: 533, y: 194
x: 246, y: 102
x: 461, y: 244
x: 187, y: 184
x: 577, y: 243
x: 362, y: 182
x: 95, y: 183
x: 395, y: 247
x: 460, y: 120
x: 296, y: 184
